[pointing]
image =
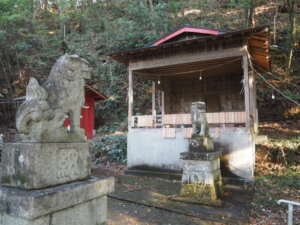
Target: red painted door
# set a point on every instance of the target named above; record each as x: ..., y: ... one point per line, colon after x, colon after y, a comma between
x: 87, y: 117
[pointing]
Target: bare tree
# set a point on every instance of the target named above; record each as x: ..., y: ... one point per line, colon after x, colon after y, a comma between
x: 275, y: 21
x: 251, y: 13
x: 45, y: 5
x: 151, y: 5
x: 291, y: 4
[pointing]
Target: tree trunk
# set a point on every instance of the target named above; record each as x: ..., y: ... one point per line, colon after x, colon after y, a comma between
x: 31, y: 9
x: 89, y: 2
x: 251, y: 13
x: 274, y: 22
x: 151, y: 5
x: 45, y: 5
x: 292, y: 30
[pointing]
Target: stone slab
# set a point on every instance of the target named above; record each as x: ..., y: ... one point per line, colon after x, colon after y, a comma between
x: 201, y: 165
x: 32, y: 204
x: 209, y: 178
x: 6, y: 219
x: 41, y: 165
x: 200, y: 155
x: 92, y: 212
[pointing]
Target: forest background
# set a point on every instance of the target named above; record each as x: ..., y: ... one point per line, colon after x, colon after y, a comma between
x: 34, y: 33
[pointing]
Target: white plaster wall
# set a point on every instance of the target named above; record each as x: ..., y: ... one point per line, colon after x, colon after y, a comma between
x: 147, y: 147
x: 238, y: 150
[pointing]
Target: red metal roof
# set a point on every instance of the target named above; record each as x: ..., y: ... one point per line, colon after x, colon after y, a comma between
x: 186, y: 29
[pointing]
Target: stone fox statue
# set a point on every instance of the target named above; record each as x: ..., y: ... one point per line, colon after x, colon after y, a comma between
x: 41, y: 116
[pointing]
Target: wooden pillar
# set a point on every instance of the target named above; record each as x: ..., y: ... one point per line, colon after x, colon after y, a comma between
x: 153, y: 99
x: 255, y: 105
x: 130, y: 98
x: 246, y: 91
x: 162, y: 103
x: 252, y: 96
x: 166, y: 96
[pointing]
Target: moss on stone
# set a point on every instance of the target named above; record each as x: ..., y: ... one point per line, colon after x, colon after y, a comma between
x: 6, y: 180
x: 199, y: 192
x: 22, y: 179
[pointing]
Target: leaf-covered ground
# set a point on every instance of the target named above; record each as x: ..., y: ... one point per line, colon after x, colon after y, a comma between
x: 277, y: 173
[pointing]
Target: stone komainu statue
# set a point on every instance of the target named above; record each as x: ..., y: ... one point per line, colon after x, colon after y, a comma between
x: 199, y: 121
x: 41, y: 117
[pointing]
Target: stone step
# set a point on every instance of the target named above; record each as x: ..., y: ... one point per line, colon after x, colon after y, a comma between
x: 78, y: 201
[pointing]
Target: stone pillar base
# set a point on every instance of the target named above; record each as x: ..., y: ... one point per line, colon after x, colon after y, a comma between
x: 201, y: 193
x: 201, y: 178
x: 41, y: 165
x: 77, y: 203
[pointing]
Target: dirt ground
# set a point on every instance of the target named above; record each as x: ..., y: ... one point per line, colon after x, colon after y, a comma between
x: 122, y: 212
x: 144, y: 200
x: 125, y: 213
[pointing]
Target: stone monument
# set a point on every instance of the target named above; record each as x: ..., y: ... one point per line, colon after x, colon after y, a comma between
x: 201, y: 178
x: 45, y: 176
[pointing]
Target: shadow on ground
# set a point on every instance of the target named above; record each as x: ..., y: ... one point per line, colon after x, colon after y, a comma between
x: 144, y: 200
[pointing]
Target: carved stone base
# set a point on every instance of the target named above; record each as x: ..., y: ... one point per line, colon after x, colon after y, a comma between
x: 200, y: 193
x: 41, y: 165
x: 69, y: 204
x: 201, y: 143
x: 201, y: 177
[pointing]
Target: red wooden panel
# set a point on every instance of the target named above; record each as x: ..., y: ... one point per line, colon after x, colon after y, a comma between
x: 87, y: 117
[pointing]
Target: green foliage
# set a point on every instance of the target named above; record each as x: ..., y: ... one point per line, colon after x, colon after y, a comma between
x: 112, y: 128
x: 294, y: 96
x: 114, y: 147
x: 31, y: 40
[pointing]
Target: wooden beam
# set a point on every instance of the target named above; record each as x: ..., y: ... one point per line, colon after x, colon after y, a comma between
x: 184, y: 57
x: 246, y: 91
x: 130, y: 98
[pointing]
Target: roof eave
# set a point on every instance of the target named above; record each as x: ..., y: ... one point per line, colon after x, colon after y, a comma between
x: 122, y: 54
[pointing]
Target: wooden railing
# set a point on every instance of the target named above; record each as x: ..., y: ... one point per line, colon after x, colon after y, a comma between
x: 149, y: 121
x: 169, y: 122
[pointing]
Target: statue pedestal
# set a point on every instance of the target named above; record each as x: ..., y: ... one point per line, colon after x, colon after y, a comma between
x: 77, y: 203
x: 201, y: 143
x: 41, y: 165
x: 50, y: 184
x: 201, y: 178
